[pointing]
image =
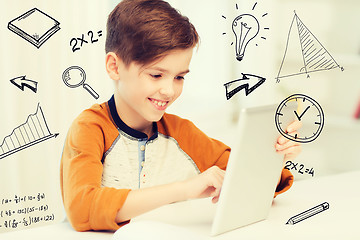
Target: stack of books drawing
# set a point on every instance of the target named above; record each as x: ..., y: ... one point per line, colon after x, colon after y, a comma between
x: 33, y: 131
x: 34, y: 26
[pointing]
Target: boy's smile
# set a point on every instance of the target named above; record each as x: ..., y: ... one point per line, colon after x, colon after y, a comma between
x: 160, y: 105
x: 143, y: 92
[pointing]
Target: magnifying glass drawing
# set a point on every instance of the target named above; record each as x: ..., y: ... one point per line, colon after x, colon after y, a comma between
x: 75, y: 76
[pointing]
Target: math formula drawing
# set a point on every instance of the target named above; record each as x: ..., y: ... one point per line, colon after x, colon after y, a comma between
x: 21, y: 211
x: 90, y: 38
x: 300, y: 168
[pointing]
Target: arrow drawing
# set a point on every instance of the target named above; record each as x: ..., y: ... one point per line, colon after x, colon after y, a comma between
x: 21, y: 82
x: 235, y: 86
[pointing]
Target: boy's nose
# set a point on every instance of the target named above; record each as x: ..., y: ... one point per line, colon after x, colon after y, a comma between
x: 167, y: 88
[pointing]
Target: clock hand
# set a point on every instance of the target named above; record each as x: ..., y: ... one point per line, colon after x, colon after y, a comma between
x: 297, y: 115
x: 304, y: 112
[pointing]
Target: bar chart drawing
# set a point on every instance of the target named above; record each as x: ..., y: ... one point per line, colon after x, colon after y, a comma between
x: 35, y: 130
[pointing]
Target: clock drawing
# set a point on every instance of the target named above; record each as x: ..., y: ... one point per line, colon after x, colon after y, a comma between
x: 306, y: 110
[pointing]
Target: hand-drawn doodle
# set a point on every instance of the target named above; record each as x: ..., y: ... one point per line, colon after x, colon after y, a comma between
x: 314, y: 55
x: 245, y: 28
x: 235, y: 86
x: 16, y: 216
x: 289, y: 165
x: 34, y: 26
x: 21, y: 82
x: 308, y: 213
x: 33, y: 131
x: 74, y: 42
x: 75, y: 76
x: 312, y: 116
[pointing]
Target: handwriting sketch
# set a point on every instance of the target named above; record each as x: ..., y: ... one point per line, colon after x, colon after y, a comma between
x: 75, y: 76
x: 314, y: 55
x: 21, y: 82
x: 243, y: 83
x: 289, y: 165
x: 308, y: 213
x: 34, y: 26
x: 16, y: 216
x: 77, y: 43
x: 33, y: 131
x: 245, y: 28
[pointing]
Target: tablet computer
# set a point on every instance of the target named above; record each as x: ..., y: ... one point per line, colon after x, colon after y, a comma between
x: 252, y: 172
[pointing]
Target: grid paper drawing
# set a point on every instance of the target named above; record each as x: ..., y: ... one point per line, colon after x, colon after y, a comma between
x: 33, y: 131
x: 314, y: 55
x: 34, y: 26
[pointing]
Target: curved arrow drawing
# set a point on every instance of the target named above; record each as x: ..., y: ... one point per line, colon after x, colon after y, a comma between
x: 231, y: 91
x: 21, y: 82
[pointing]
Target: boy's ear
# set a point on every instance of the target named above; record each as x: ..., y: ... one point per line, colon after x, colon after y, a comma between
x: 112, y: 63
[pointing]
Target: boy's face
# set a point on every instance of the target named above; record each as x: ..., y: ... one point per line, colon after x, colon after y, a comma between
x: 144, y: 92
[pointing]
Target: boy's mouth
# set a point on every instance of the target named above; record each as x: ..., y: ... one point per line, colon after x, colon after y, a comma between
x: 159, y: 104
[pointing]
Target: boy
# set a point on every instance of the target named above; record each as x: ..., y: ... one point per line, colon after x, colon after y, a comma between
x: 127, y: 156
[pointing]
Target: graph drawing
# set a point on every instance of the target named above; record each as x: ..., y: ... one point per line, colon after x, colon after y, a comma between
x: 303, y: 44
x: 33, y: 131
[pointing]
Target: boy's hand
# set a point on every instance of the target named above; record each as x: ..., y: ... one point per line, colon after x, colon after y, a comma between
x: 288, y: 148
x: 206, y: 184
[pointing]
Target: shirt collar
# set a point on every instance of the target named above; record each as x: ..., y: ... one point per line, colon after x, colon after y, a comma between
x: 125, y: 128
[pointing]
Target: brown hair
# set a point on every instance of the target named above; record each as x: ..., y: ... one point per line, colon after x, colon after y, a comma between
x: 144, y: 30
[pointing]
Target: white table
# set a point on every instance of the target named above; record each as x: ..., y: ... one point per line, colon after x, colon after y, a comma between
x: 340, y: 221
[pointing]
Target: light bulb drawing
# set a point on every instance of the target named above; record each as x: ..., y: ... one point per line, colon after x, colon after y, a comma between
x: 245, y: 28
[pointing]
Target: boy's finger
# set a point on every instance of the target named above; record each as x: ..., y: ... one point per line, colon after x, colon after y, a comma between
x: 280, y: 147
x: 293, y: 150
x: 294, y: 126
x: 282, y: 140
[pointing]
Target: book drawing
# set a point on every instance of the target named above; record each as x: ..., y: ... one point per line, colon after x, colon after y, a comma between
x: 34, y: 26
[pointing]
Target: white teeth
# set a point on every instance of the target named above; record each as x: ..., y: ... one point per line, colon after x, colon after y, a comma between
x: 159, y: 103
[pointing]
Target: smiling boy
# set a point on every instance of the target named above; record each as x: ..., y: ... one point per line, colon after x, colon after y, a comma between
x: 127, y: 156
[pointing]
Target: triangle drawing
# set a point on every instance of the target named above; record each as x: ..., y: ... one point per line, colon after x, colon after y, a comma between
x: 305, y: 46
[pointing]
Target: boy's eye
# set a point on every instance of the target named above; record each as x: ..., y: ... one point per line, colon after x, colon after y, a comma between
x: 155, y: 75
x: 180, y: 78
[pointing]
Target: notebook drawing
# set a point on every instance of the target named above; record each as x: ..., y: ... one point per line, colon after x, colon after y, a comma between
x: 34, y: 26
